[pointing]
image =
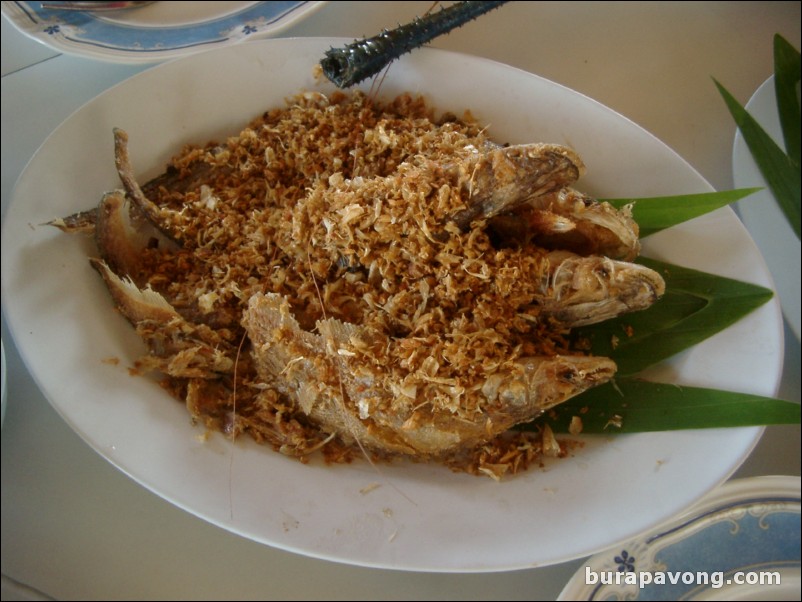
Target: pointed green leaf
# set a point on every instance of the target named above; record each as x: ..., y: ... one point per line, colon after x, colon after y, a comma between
x: 780, y: 172
x: 631, y: 406
x: 658, y: 213
x: 787, y: 75
x: 696, y: 306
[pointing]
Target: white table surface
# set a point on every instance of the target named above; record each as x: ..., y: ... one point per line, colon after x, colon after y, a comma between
x: 73, y: 527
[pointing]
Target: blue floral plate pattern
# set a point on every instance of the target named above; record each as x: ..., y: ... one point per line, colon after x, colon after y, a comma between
x: 744, y: 532
x: 160, y: 31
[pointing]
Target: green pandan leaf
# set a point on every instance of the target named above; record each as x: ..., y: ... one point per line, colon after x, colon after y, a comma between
x: 787, y: 75
x: 658, y: 213
x: 779, y: 170
x: 696, y: 306
x: 631, y: 406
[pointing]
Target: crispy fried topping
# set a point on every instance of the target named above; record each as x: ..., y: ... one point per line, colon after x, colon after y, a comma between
x: 345, y: 207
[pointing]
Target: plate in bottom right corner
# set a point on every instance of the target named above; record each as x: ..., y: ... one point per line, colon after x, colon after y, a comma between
x: 741, y: 542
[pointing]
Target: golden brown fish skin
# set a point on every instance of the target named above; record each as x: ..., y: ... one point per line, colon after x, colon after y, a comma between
x: 324, y: 375
x: 176, y: 347
x: 81, y: 222
x: 499, y: 179
x: 161, y: 218
x: 125, y: 237
x: 571, y: 220
x: 121, y: 238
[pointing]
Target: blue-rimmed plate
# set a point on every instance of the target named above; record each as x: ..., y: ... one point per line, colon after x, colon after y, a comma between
x: 157, y: 32
x: 741, y: 542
